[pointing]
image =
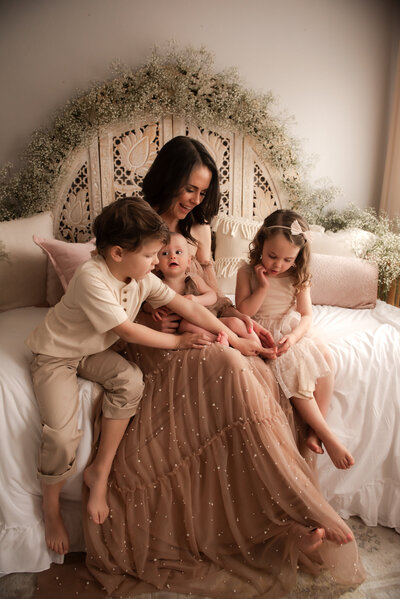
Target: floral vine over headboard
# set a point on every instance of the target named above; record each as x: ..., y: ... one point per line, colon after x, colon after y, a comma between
x: 184, y: 83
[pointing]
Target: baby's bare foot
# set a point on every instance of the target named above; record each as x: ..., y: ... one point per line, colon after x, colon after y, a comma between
x: 314, y: 443
x: 312, y: 540
x: 97, y: 506
x: 338, y: 453
x: 55, y: 533
x: 222, y: 338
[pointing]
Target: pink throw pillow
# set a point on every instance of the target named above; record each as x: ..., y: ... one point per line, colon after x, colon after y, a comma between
x: 343, y: 281
x: 65, y: 257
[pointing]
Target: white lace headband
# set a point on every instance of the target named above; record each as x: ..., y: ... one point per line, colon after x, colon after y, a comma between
x: 295, y: 229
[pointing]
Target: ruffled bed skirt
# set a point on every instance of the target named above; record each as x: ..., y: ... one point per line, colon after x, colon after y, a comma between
x: 209, y: 494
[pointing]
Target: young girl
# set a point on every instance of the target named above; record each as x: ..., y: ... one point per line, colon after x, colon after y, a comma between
x: 174, y: 261
x: 274, y: 289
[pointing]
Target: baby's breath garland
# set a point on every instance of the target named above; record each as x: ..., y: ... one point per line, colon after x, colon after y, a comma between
x: 183, y: 83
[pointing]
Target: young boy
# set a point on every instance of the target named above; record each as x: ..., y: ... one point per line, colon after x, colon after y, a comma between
x: 98, y: 308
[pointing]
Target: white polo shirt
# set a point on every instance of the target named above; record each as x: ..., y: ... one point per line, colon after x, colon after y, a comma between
x: 95, y: 302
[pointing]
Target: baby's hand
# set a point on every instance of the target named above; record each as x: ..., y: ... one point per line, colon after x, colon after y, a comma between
x: 261, y: 275
x: 192, y: 340
x: 285, y: 343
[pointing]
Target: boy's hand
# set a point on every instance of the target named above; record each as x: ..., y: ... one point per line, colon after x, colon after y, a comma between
x: 192, y: 341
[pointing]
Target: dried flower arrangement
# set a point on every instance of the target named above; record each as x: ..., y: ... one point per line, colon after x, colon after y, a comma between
x: 183, y: 82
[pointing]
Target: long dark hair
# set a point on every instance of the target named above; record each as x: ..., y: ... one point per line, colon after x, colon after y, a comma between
x: 171, y: 170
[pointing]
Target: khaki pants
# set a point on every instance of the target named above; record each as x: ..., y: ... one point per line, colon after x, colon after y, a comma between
x: 57, y: 393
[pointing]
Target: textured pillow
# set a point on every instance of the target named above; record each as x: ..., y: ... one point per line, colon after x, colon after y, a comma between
x: 343, y: 281
x: 347, y: 242
x: 23, y: 266
x: 232, y: 238
x: 65, y: 258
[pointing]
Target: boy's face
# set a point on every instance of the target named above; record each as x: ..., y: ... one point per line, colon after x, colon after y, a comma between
x: 137, y: 264
x: 174, y: 258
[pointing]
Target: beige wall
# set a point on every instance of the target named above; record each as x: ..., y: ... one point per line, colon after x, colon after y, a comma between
x: 327, y: 61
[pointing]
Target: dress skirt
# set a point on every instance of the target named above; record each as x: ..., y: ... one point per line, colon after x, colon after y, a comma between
x: 208, y: 492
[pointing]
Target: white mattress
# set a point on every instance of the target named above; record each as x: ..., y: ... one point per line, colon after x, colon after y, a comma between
x: 365, y: 414
x: 22, y: 541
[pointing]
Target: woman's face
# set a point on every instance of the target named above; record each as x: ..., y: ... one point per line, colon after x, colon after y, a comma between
x: 191, y: 193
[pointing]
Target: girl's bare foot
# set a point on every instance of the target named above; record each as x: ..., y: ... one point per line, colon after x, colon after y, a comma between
x: 222, y: 338
x: 97, y: 506
x: 314, y: 443
x: 338, y: 453
x: 312, y: 540
x: 55, y: 532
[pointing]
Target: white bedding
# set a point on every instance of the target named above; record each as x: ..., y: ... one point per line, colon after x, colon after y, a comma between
x: 365, y: 413
x: 22, y: 545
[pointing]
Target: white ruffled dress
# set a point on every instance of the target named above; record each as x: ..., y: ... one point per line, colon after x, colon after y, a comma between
x: 297, y: 370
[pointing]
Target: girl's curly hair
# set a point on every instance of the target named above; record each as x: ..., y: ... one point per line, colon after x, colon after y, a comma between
x: 280, y: 222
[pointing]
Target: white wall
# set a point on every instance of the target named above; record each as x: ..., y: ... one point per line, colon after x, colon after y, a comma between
x: 327, y: 61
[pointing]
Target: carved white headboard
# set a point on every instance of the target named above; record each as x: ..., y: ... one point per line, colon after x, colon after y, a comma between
x: 114, y: 164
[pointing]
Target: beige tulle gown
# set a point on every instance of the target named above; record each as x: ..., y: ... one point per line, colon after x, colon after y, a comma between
x: 208, y: 493
x: 297, y: 370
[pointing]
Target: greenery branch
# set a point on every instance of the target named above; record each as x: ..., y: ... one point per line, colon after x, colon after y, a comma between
x: 184, y: 83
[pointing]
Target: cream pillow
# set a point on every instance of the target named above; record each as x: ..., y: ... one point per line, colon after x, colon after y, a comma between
x: 343, y: 281
x: 232, y: 238
x: 347, y: 242
x: 23, y: 268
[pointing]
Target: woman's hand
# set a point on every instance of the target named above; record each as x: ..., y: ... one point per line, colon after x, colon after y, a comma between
x: 232, y: 311
x: 263, y: 334
x: 285, y: 343
x: 192, y: 341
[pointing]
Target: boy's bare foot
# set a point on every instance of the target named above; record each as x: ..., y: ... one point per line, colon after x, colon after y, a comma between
x: 312, y: 540
x: 222, y: 338
x: 97, y: 506
x: 314, y: 443
x: 55, y: 532
x: 338, y: 453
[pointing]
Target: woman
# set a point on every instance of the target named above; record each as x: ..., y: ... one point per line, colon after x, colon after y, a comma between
x: 209, y: 494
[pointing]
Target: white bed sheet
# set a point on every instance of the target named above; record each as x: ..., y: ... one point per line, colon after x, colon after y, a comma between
x: 22, y: 544
x: 365, y: 411
x: 365, y: 414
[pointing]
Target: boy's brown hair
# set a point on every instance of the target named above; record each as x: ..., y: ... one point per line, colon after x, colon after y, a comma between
x: 128, y: 223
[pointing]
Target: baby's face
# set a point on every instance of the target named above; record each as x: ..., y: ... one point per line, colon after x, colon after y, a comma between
x: 174, y: 258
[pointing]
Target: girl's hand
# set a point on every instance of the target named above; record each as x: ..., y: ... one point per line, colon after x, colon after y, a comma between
x: 192, y: 341
x: 191, y: 297
x: 261, y: 275
x: 285, y: 343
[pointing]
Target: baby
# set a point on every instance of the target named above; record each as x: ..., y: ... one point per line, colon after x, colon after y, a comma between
x: 174, y: 262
